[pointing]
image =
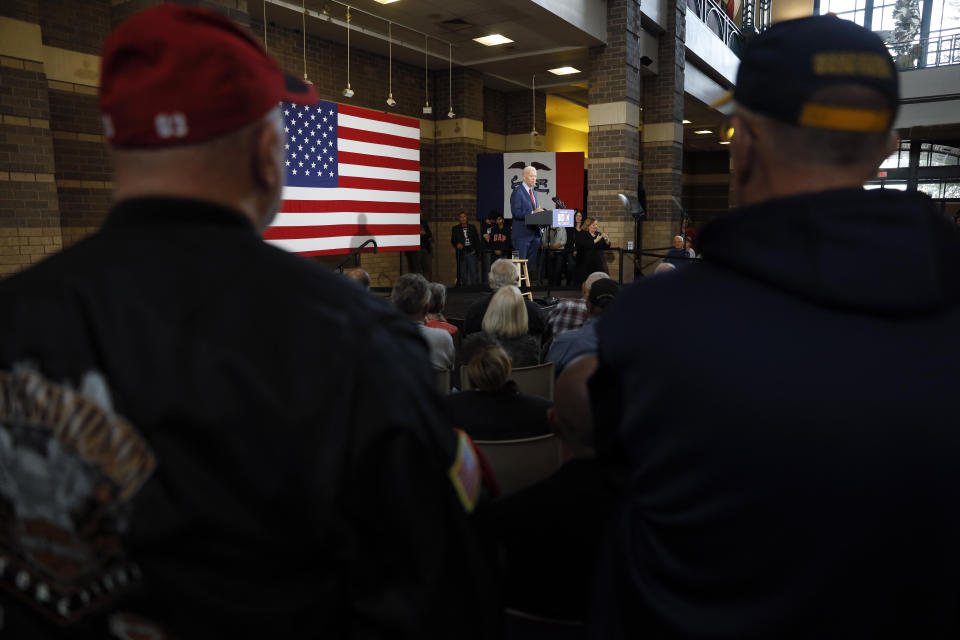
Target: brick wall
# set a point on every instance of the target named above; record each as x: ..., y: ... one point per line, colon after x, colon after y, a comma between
x: 662, y: 158
x: 495, y: 111
x: 520, y: 110
x: 614, y: 147
x: 706, y: 185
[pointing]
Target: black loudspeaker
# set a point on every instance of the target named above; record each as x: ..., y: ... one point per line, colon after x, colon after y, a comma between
x: 632, y: 205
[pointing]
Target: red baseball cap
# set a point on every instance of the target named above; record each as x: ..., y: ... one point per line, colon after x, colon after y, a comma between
x: 172, y: 75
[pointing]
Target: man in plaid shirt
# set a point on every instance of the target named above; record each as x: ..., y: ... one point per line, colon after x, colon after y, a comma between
x: 572, y: 313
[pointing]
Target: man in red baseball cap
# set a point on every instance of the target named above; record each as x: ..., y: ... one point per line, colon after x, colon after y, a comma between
x: 202, y: 435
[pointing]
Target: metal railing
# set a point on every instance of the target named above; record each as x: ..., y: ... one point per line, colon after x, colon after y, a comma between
x: 355, y: 254
x: 713, y: 15
x: 942, y: 48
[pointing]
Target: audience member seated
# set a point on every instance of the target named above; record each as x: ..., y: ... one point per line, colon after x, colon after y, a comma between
x: 504, y: 273
x: 438, y: 302
x: 548, y: 534
x: 411, y: 295
x: 506, y: 320
x: 678, y: 255
x: 572, y: 313
x: 494, y: 409
x: 360, y: 276
x: 578, y: 342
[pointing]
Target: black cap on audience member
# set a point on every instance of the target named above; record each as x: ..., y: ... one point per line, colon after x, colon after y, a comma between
x: 603, y: 293
x: 785, y: 66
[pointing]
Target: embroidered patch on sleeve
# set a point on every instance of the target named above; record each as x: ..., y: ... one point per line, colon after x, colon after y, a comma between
x: 69, y: 467
x: 465, y: 472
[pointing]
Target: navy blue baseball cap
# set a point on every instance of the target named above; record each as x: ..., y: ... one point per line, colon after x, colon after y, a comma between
x: 783, y: 67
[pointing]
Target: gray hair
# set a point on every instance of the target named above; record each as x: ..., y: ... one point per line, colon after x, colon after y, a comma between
x: 411, y: 294
x: 438, y: 297
x: 503, y: 273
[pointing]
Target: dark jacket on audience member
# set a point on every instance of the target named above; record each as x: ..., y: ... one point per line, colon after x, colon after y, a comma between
x: 302, y: 483
x: 523, y: 350
x: 811, y: 490
x: 498, y: 415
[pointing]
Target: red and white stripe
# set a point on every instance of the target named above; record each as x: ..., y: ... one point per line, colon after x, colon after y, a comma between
x: 378, y: 196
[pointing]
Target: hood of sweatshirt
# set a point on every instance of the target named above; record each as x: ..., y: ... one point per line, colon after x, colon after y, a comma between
x: 879, y: 252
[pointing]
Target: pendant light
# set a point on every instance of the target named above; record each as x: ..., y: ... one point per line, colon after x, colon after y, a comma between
x: 450, y: 114
x: 533, y: 107
x: 390, y: 101
x: 348, y: 92
x: 427, y: 109
x: 303, y: 26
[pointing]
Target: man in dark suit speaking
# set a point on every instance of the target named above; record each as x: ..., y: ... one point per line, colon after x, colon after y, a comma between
x: 523, y: 201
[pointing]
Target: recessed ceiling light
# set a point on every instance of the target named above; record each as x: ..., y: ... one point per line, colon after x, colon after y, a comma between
x: 385, y: 1
x: 563, y: 71
x: 703, y: 131
x: 724, y: 142
x: 686, y: 122
x: 492, y: 39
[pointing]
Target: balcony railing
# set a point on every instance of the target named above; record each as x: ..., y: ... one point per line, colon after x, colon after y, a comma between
x: 942, y: 48
x: 713, y: 15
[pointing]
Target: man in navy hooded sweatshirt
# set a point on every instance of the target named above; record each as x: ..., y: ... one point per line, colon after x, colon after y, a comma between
x: 801, y: 478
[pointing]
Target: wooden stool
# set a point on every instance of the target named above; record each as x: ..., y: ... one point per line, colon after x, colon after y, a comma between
x: 524, y: 277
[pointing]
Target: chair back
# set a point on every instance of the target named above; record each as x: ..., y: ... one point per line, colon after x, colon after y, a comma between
x: 517, y: 464
x: 441, y: 378
x: 536, y: 380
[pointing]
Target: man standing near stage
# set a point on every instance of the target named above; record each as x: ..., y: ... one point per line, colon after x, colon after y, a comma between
x: 466, y: 241
x: 523, y: 201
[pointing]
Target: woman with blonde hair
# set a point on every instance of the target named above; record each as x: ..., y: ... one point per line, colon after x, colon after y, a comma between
x: 506, y: 320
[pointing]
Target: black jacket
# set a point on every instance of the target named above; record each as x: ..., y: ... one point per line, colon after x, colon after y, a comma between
x: 456, y: 237
x: 274, y: 463
x: 590, y: 253
x: 782, y: 421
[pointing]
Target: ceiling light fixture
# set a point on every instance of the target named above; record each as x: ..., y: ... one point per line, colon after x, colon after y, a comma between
x: 303, y: 26
x: 450, y: 114
x: 427, y: 109
x: 348, y: 92
x: 724, y: 142
x: 385, y: 1
x: 564, y: 71
x: 686, y: 122
x: 533, y: 108
x: 390, y: 101
x: 703, y: 132
x: 493, y: 40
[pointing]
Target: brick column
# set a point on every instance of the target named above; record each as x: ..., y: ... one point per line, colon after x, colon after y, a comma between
x: 457, y: 142
x: 29, y: 208
x: 662, y: 146
x: 84, y: 174
x: 523, y: 115
x: 613, y: 140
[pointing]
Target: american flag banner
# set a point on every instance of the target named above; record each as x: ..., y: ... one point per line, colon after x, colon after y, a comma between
x: 352, y: 174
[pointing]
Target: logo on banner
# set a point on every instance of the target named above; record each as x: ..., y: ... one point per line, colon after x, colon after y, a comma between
x: 542, y: 185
